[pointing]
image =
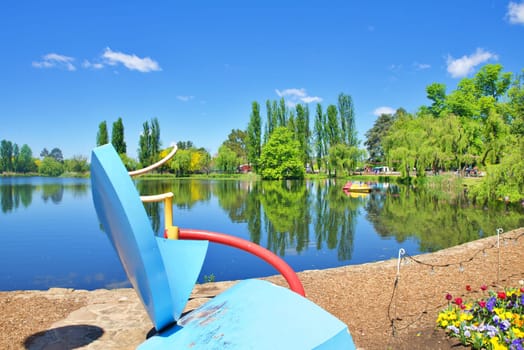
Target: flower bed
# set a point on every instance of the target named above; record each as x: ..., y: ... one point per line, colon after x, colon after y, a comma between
x: 495, y: 322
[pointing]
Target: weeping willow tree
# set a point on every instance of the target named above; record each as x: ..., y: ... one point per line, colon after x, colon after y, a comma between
x: 478, y: 124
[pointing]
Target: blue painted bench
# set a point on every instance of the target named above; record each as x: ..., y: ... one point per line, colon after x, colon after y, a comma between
x: 253, y: 314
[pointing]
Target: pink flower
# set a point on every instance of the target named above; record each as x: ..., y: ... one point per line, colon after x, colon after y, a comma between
x: 458, y: 301
x: 449, y: 296
x: 483, y: 287
x: 482, y: 303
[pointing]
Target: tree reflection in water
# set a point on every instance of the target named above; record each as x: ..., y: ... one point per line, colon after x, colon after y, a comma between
x: 298, y: 215
x: 14, y: 194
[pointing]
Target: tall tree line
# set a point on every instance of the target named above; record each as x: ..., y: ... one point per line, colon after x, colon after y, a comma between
x: 117, y: 136
x: 16, y: 159
x: 149, y: 143
x: 334, y: 127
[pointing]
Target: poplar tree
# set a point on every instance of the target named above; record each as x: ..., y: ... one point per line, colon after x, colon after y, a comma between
x: 347, y: 120
x: 319, y: 135
x: 149, y: 143
x: 102, y: 137
x: 254, y: 136
x: 6, y: 155
x: 282, y: 113
x: 117, y: 137
x: 302, y: 132
x: 26, y: 159
x: 332, y: 127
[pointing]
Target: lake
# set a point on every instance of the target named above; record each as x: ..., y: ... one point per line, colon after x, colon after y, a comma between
x: 50, y: 235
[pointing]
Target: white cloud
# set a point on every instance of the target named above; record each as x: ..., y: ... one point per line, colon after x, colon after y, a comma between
x: 516, y: 13
x: 383, y: 110
x: 185, y: 98
x: 52, y: 60
x: 131, y: 62
x: 294, y: 96
x: 96, y: 65
x: 291, y: 92
x: 461, y: 67
x: 311, y: 99
x: 421, y: 66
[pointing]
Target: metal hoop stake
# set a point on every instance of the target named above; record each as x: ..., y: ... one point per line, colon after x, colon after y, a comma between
x: 401, y: 252
x: 499, y: 231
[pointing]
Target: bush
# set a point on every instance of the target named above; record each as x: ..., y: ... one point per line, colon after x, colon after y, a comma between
x: 50, y: 167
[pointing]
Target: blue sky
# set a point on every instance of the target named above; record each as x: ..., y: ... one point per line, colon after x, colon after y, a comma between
x: 68, y: 65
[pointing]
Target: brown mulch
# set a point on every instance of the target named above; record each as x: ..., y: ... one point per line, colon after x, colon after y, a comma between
x: 24, y: 314
x: 386, y: 305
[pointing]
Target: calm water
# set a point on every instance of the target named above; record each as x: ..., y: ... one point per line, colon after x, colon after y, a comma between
x: 50, y: 236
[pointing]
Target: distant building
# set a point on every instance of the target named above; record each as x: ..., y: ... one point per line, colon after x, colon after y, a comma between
x: 244, y: 168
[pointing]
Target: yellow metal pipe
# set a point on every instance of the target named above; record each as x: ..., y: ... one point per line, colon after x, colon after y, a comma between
x: 170, y: 231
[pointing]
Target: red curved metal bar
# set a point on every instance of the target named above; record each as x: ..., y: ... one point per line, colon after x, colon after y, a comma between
x: 287, y: 272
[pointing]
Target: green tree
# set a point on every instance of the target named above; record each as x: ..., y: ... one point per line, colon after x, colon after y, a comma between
x: 504, y: 180
x: 181, y: 162
x: 302, y: 132
x: 77, y: 164
x: 184, y: 144
x: 51, y: 167
x: 102, y: 137
x: 436, y: 92
x: 200, y: 161
x: 291, y: 124
x: 463, y: 100
x: 271, y: 123
x: 516, y: 105
x: 26, y: 162
x: 254, y: 137
x: 6, y: 155
x: 344, y: 158
x: 401, y: 144
x: 280, y: 158
x: 496, y: 136
x: 376, y: 134
x: 320, y: 136
x: 16, y: 158
x: 491, y: 81
x: 117, y: 137
x: 236, y: 142
x: 347, y: 120
x: 129, y: 162
x: 227, y: 160
x: 282, y: 113
x: 56, y: 153
x: 332, y: 127
x: 149, y: 143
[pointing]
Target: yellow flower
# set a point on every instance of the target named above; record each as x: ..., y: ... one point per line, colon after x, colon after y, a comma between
x: 466, y: 317
x: 517, y: 332
x: 496, y: 345
x: 499, y: 311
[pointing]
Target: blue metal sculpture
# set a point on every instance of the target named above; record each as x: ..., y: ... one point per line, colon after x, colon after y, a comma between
x: 253, y: 314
